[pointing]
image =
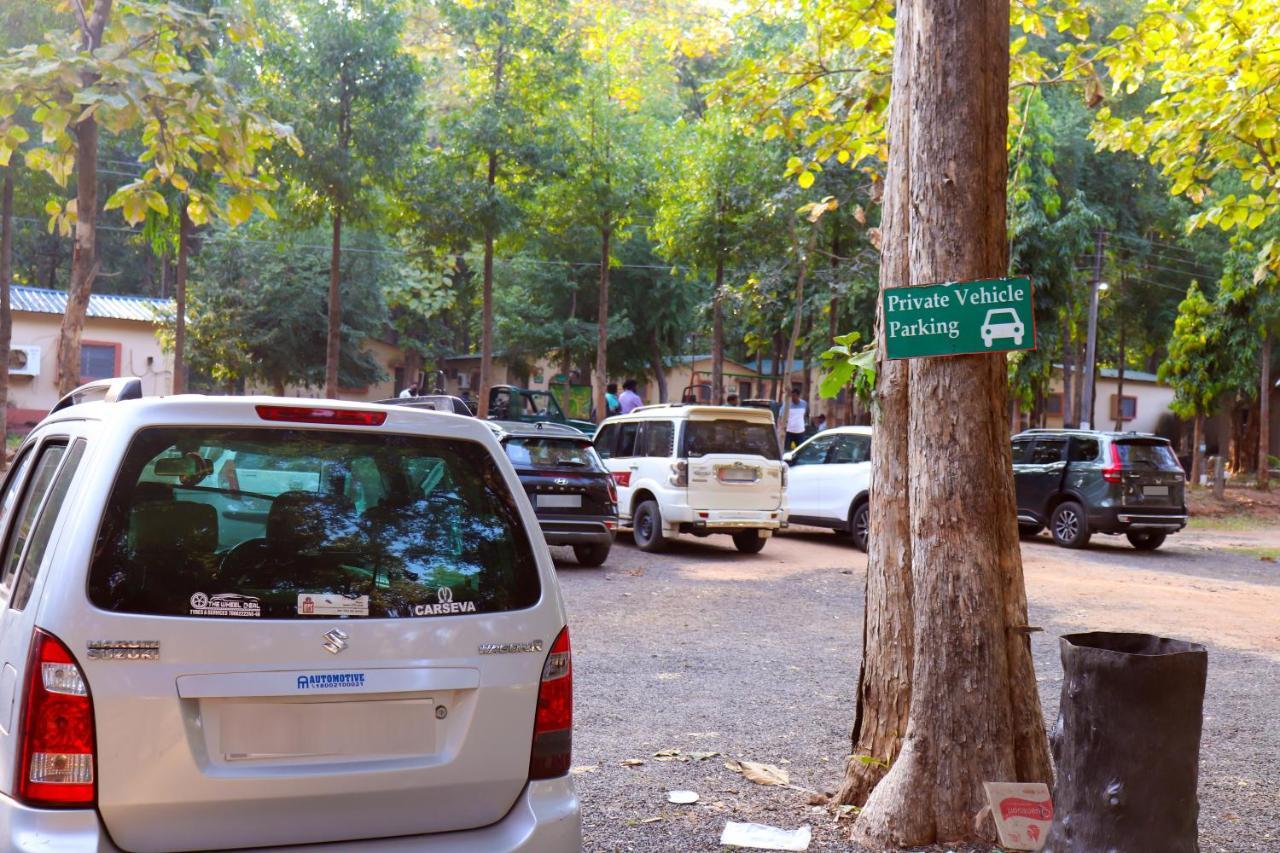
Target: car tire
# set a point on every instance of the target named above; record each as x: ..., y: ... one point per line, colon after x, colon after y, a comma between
x: 860, y: 525
x: 1069, y: 525
x: 1029, y: 531
x: 593, y: 554
x: 749, y: 541
x: 646, y: 528
x: 1146, y: 541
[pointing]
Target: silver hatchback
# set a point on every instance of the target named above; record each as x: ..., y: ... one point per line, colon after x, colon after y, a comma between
x: 234, y: 622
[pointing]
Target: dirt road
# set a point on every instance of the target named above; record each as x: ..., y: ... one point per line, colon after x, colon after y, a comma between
x: 704, y: 650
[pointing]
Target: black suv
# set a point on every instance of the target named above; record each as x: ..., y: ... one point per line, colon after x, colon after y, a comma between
x: 1081, y: 482
x: 572, y: 492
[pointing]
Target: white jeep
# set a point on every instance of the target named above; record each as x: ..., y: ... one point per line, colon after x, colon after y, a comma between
x: 698, y: 470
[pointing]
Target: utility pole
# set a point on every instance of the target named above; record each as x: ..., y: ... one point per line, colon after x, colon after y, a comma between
x: 1091, y: 346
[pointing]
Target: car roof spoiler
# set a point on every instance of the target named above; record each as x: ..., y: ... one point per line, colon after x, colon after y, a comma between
x: 107, y: 390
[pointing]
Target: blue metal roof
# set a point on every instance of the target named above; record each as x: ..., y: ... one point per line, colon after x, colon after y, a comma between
x: 109, y: 306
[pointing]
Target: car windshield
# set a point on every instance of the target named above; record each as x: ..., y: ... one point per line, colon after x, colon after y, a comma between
x: 702, y: 438
x: 286, y: 524
x: 552, y: 453
x: 1147, y: 454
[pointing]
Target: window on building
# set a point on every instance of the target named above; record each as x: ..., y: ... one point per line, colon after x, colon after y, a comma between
x: 1123, y: 408
x: 97, y: 361
x: 1053, y: 405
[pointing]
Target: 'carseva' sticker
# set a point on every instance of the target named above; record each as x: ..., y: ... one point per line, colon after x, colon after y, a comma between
x: 445, y: 605
x: 318, y: 604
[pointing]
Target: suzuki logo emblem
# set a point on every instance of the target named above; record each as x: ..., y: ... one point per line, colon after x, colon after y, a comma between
x: 335, y: 640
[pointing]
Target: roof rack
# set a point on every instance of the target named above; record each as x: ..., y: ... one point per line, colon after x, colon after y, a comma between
x: 111, y: 391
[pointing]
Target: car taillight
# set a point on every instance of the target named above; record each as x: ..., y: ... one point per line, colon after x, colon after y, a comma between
x: 680, y: 473
x: 56, y: 765
x: 321, y: 415
x: 622, y: 478
x: 1111, y: 473
x: 553, y: 725
x: 613, y: 491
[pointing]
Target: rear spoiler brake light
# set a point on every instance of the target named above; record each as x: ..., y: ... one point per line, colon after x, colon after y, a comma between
x: 321, y: 415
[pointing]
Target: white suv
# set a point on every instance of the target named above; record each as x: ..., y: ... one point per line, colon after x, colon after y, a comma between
x: 830, y: 482
x: 696, y: 469
x: 238, y: 622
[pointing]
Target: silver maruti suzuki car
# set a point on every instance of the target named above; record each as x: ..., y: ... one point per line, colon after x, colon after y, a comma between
x: 238, y: 622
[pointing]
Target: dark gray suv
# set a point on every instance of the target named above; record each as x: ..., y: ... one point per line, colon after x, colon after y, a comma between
x: 1081, y: 482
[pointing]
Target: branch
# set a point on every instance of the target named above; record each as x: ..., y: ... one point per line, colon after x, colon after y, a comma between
x: 82, y: 18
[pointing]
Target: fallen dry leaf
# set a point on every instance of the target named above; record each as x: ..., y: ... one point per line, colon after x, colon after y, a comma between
x: 632, y: 762
x: 585, y: 768
x: 733, y: 766
x: 765, y: 774
x: 702, y: 756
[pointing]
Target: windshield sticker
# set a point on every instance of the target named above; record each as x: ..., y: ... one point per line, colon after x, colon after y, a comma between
x: 445, y: 605
x: 316, y: 604
x: 331, y: 680
x: 224, y: 604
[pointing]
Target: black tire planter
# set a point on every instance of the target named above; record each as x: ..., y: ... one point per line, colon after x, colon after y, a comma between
x: 1127, y: 745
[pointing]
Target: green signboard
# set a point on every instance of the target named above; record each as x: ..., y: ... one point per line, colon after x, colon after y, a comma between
x: 959, y: 317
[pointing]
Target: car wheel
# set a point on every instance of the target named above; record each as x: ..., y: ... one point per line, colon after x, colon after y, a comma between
x: 749, y: 541
x: 1146, y: 541
x: 591, y: 554
x: 1029, y: 531
x: 1069, y: 526
x: 647, y: 527
x: 860, y: 525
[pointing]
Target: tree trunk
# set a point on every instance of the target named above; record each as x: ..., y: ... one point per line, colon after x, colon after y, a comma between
x: 797, y: 322
x: 659, y: 372
x: 84, y: 256
x: 1068, y: 374
x: 717, y: 336
x: 1120, y: 382
x: 180, y: 304
x: 277, y: 386
x: 602, y: 327
x: 974, y: 713
x: 333, y: 339
x: 6, y: 312
x: 1264, y: 415
x: 1197, y: 457
x: 486, y: 303
x: 884, y: 679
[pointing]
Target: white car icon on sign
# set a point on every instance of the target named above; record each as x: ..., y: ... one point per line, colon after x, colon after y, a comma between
x: 1002, y: 323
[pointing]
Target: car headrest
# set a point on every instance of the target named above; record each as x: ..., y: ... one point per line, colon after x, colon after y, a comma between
x: 150, y: 491
x: 307, y: 520
x: 184, y: 526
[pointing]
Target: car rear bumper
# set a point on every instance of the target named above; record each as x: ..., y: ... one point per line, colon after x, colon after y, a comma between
x: 1113, y: 520
x: 726, y: 519
x: 545, y: 819
x: 593, y: 531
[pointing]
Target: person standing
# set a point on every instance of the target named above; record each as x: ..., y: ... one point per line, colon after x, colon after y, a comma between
x: 796, y: 411
x: 821, y: 422
x: 629, y: 400
x: 611, y: 405
x: 411, y: 391
x: 731, y: 400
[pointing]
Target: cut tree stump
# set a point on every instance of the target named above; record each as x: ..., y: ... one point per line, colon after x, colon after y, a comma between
x: 1127, y: 744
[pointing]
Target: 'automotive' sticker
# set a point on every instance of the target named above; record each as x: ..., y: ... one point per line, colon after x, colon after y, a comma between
x: 331, y: 680
x: 224, y: 604
x: 317, y: 604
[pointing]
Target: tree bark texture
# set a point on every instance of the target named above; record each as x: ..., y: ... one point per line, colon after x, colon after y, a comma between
x: 884, y: 680
x: 1197, y: 457
x: 1264, y: 416
x: 602, y: 328
x: 84, y: 257
x: 717, y: 336
x: 797, y: 323
x: 180, y: 304
x: 974, y: 713
x: 333, y: 338
x: 659, y: 372
x: 1068, y: 374
x: 1127, y: 744
x: 6, y: 308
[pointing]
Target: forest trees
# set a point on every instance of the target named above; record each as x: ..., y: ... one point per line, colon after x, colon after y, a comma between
x: 352, y: 91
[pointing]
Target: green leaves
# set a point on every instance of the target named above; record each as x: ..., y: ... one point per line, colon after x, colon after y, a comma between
x: 847, y: 367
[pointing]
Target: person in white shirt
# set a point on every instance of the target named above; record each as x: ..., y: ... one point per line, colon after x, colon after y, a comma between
x: 411, y: 391
x: 796, y: 411
x: 629, y: 399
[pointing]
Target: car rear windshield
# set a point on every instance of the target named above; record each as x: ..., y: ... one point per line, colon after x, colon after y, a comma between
x: 292, y: 524
x: 702, y: 438
x: 1147, y: 454
x: 552, y: 453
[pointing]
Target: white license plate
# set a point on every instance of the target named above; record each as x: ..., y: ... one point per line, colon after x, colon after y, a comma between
x: 737, y: 475
x: 559, y: 501
x: 1156, y: 491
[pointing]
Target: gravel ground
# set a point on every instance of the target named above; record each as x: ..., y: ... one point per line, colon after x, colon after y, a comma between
x: 755, y: 657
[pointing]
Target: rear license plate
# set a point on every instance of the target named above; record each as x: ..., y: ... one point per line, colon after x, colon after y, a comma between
x: 737, y: 475
x: 559, y: 501
x: 1156, y: 491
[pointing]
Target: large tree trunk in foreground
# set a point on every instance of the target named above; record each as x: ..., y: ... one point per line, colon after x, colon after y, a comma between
x: 180, y: 304
x: 884, y: 683
x: 717, y: 337
x: 333, y: 337
x: 602, y: 330
x: 6, y: 313
x: 974, y: 713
